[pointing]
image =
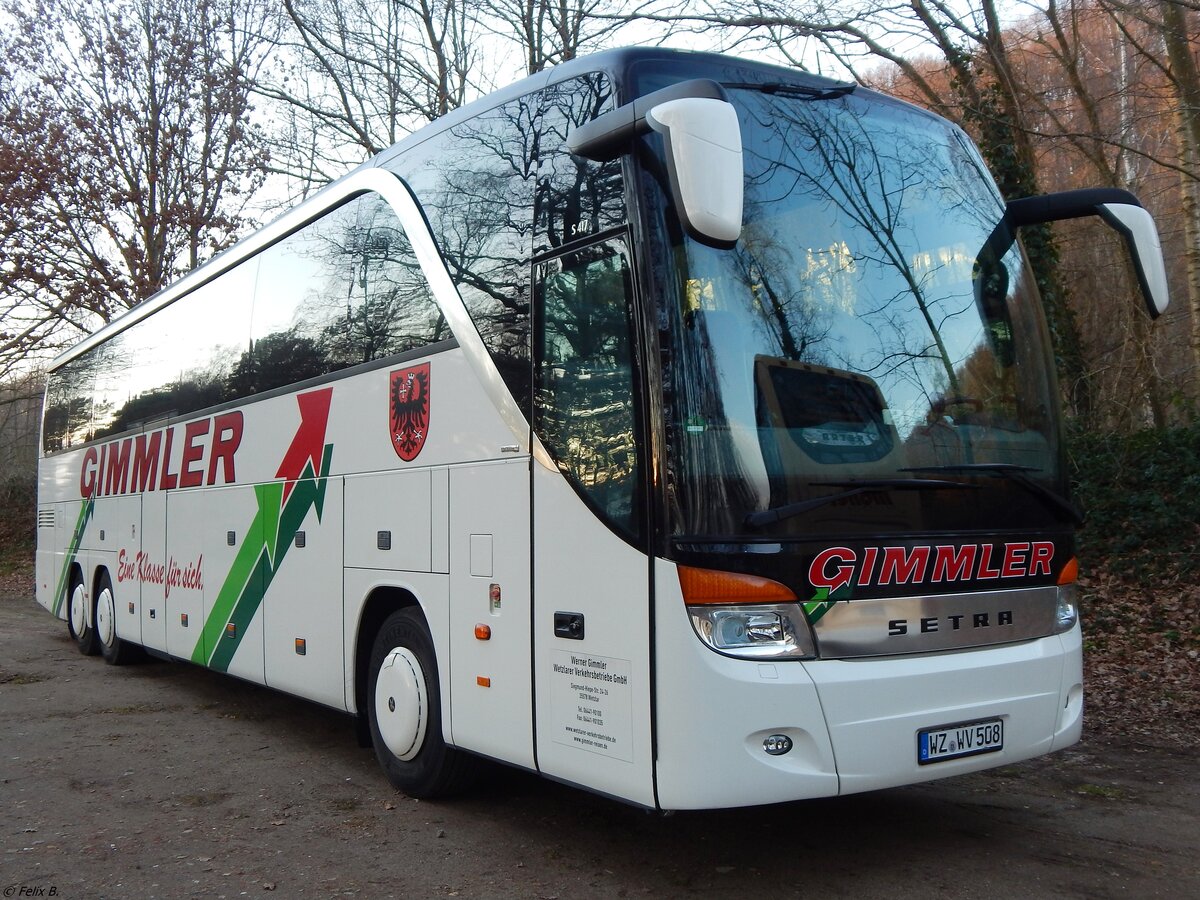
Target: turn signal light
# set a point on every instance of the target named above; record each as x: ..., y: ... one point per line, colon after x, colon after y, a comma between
x: 1070, y: 572
x: 705, y: 586
x: 483, y: 632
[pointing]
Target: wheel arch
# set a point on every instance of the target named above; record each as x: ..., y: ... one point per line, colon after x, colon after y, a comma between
x: 98, y: 575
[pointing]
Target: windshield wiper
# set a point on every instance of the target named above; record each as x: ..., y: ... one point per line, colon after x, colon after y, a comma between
x: 806, y: 92
x: 865, y: 486
x: 1017, y: 475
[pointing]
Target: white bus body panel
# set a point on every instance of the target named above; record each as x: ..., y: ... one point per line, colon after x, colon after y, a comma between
x: 874, y: 708
x: 491, y: 709
x: 710, y: 747
x: 305, y: 603
x: 853, y: 723
x: 183, y: 609
x: 592, y: 695
x: 152, y: 609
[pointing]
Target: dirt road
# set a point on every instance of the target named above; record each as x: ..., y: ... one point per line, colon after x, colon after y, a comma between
x: 165, y: 780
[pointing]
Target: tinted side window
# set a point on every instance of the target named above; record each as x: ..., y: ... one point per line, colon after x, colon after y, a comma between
x: 67, y: 420
x: 584, y: 409
x: 345, y: 289
x: 476, y: 185
x: 179, y: 359
x: 576, y: 197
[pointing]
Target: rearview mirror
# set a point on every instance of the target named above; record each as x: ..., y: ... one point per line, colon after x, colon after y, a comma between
x: 1122, y: 211
x: 704, y: 152
x: 704, y: 162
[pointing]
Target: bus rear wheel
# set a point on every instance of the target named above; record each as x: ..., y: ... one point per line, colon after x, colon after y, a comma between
x: 404, y: 705
x: 79, y: 623
x: 115, y: 651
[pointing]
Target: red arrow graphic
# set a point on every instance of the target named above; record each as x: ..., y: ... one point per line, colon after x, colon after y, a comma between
x: 309, y: 441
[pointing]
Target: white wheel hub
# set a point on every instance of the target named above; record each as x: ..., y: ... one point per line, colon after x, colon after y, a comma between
x: 106, y: 618
x: 401, y: 703
x: 78, y: 610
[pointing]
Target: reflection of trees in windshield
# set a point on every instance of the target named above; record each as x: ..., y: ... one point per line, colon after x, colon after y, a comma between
x: 913, y: 210
x: 878, y: 182
x: 862, y: 262
x: 782, y: 296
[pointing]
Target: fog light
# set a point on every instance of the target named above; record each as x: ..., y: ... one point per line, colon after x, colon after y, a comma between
x: 777, y: 744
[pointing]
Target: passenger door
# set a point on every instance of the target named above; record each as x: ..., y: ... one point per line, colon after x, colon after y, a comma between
x: 591, y: 574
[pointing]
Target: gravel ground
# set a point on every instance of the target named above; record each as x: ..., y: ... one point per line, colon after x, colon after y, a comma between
x: 165, y: 780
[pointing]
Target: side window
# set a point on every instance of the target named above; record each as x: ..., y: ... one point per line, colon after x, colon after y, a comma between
x: 584, y: 409
x: 388, y: 308
x: 476, y: 184
x: 67, y: 421
x: 344, y: 290
x: 184, y: 354
x: 576, y: 197
x: 304, y: 281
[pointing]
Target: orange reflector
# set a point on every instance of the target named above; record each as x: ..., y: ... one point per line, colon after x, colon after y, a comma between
x: 483, y: 632
x: 230, y: 630
x: 710, y: 586
x: 301, y: 647
x: 483, y: 681
x: 1070, y: 572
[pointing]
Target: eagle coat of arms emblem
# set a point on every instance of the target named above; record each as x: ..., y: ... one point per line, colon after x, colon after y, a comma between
x: 409, y: 410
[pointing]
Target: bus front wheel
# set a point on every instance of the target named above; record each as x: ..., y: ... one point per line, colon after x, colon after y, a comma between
x: 404, y: 705
x: 79, y: 623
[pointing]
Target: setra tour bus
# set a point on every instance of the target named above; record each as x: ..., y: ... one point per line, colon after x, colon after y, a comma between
x: 671, y: 425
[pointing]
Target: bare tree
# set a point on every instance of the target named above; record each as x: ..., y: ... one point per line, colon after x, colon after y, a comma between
x: 357, y: 76
x: 134, y: 116
x: 553, y: 31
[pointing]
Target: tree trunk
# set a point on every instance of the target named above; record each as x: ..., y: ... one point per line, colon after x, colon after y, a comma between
x: 1185, y: 84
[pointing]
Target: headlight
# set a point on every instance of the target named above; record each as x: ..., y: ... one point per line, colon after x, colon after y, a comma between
x: 1066, y: 614
x: 754, y: 632
x: 745, y: 615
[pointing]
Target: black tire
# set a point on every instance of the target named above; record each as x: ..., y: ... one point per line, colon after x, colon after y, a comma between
x: 79, y: 609
x: 432, y: 768
x: 116, y: 652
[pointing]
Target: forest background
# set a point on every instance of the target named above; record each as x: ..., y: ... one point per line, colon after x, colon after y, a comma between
x: 140, y: 137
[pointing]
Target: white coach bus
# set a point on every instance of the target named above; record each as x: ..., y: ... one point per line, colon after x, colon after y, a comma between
x: 670, y: 425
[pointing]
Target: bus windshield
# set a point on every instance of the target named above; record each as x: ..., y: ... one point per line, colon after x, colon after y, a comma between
x: 871, y: 357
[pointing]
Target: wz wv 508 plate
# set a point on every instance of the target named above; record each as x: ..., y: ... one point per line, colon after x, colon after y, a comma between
x: 956, y: 741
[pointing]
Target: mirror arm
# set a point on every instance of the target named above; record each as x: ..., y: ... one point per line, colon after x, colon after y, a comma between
x: 1122, y: 212
x: 1064, y: 205
x: 607, y: 137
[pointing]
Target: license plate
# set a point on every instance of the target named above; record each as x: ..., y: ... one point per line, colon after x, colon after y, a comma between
x: 956, y: 741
